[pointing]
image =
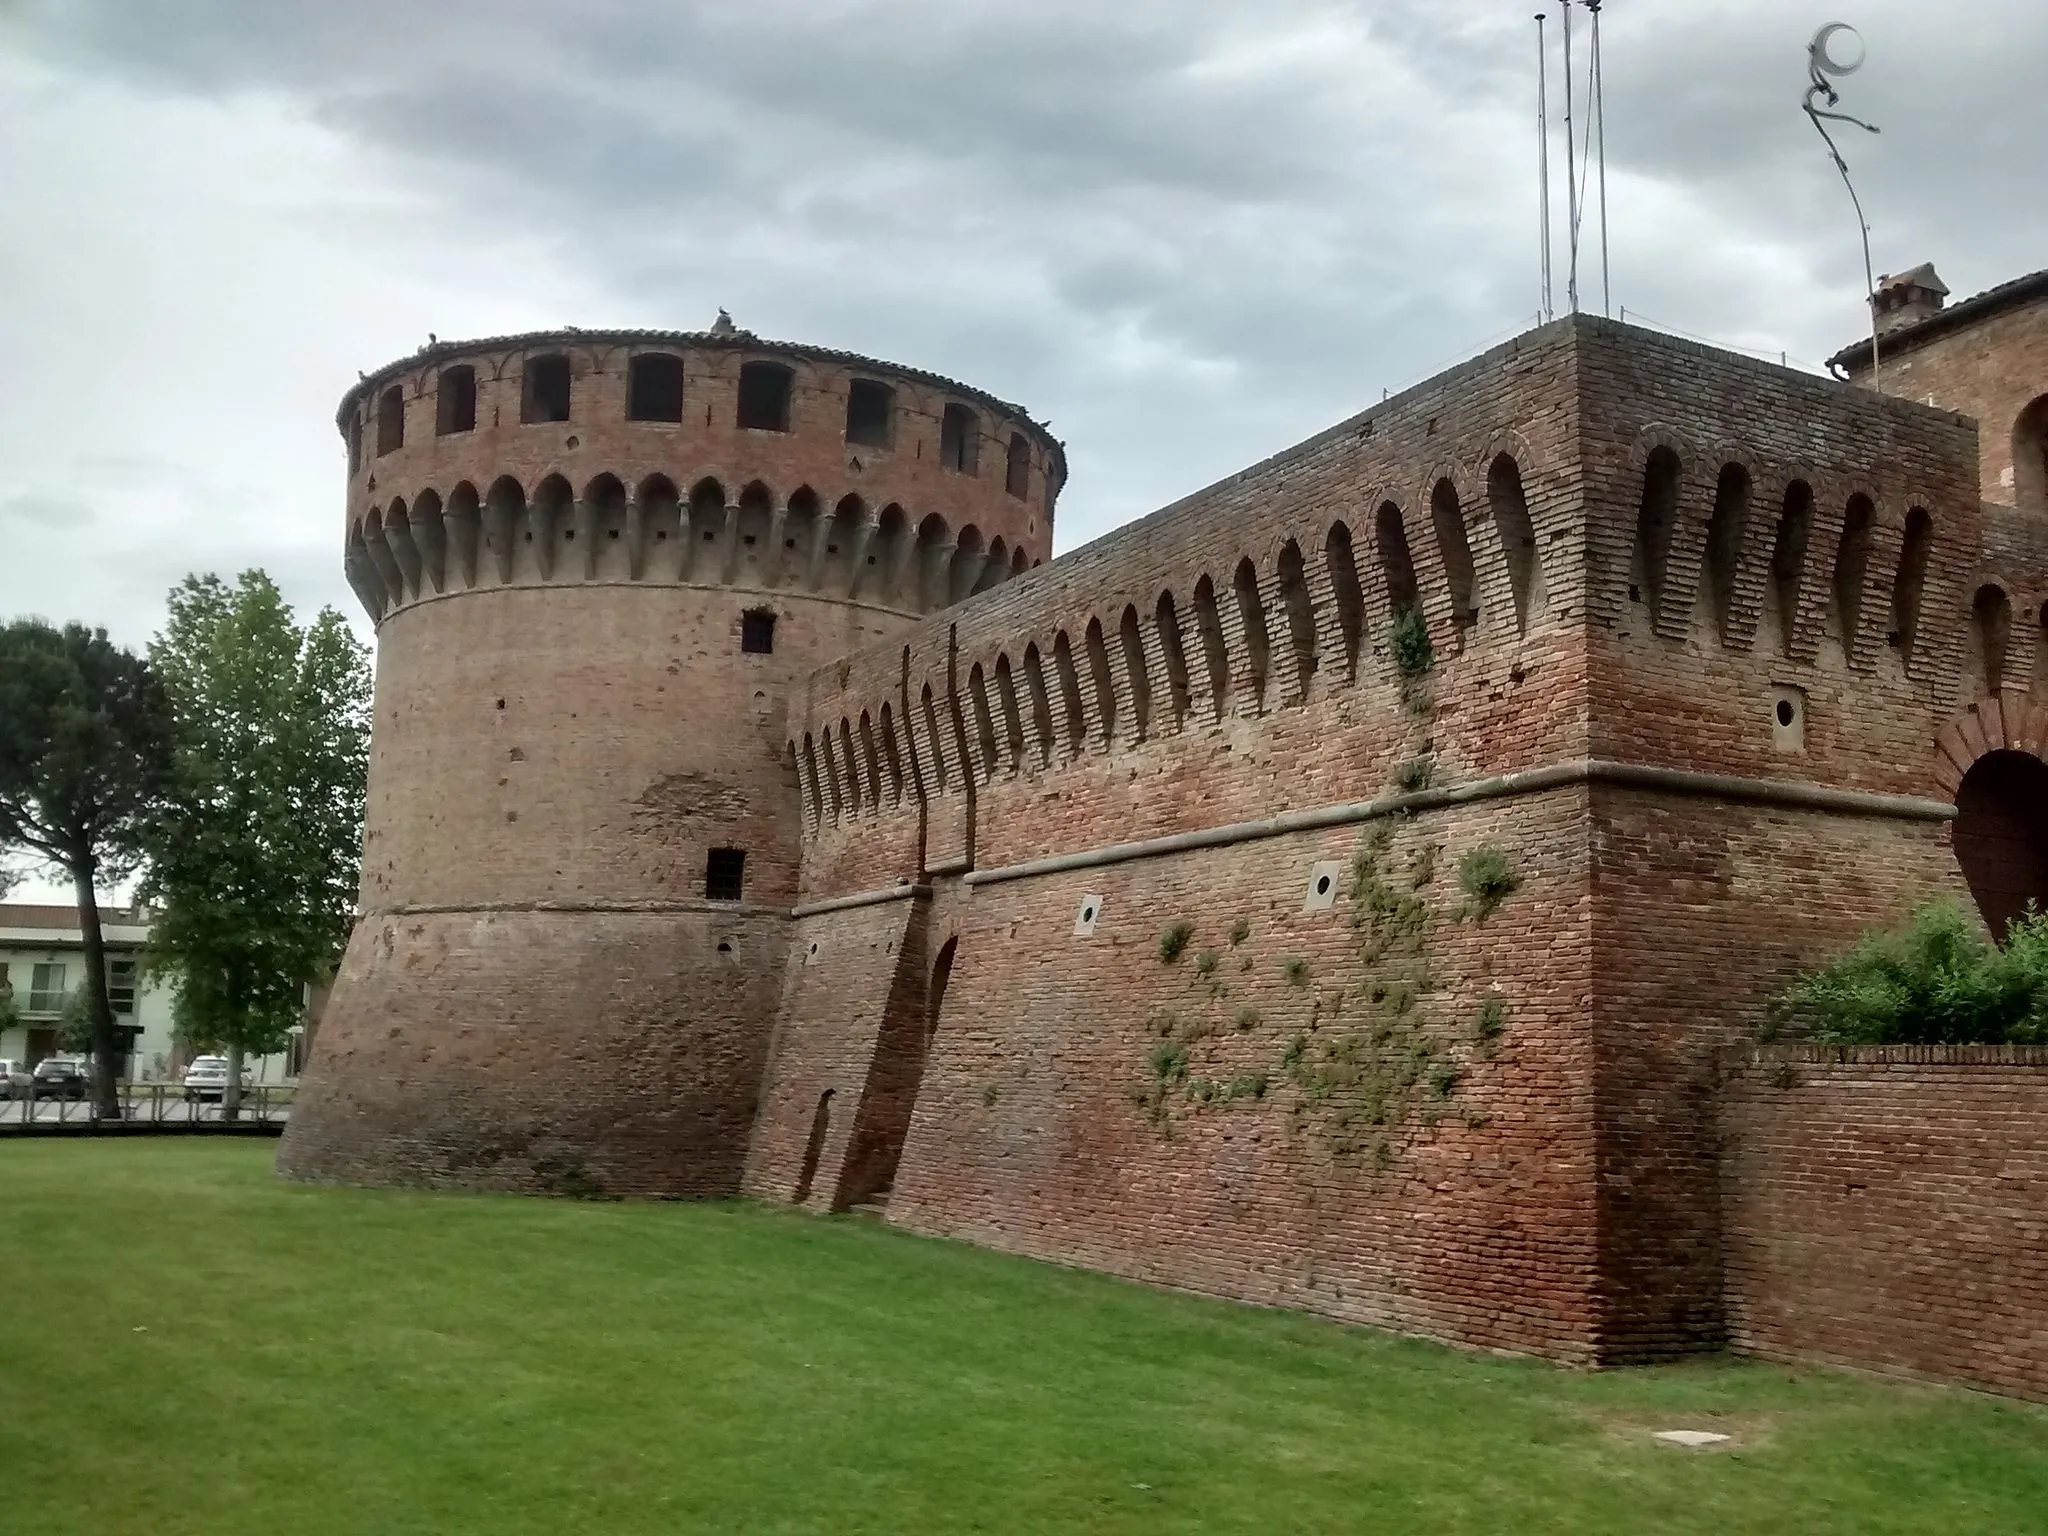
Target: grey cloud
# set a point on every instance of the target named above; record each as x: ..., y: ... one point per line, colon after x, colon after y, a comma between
x: 1185, y: 230
x: 46, y: 509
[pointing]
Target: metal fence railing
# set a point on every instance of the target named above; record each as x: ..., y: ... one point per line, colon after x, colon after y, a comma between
x: 150, y: 1104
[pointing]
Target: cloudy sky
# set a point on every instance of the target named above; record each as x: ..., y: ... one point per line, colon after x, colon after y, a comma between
x: 1185, y: 232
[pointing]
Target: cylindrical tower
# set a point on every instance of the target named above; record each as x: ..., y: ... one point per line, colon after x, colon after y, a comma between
x: 600, y: 563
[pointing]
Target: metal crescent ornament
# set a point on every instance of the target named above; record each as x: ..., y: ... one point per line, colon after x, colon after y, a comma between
x: 1824, y: 63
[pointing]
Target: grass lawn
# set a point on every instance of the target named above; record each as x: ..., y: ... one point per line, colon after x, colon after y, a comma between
x: 191, y: 1346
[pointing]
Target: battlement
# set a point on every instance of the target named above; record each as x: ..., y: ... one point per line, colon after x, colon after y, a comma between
x: 1621, y: 547
x: 554, y: 457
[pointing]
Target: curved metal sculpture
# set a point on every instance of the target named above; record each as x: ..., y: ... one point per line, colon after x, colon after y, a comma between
x: 1824, y: 69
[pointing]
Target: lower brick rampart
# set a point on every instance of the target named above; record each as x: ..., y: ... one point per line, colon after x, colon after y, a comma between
x: 1247, y: 1120
x: 1887, y: 1208
x: 592, y: 1053
x: 1704, y: 907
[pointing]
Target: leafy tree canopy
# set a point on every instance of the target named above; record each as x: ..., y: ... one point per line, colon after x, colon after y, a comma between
x: 254, y: 859
x: 84, y: 761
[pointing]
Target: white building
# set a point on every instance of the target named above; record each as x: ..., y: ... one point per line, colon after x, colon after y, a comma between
x: 42, y: 960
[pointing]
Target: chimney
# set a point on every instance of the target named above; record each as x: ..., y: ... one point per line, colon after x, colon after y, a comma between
x: 1907, y: 299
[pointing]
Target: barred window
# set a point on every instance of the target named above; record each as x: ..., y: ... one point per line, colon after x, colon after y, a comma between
x: 725, y: 874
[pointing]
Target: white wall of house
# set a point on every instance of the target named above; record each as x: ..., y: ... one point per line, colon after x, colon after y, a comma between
x: 42, y: 957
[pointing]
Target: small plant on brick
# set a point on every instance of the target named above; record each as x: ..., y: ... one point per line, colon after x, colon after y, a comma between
x: 1413, y: 776
x: 989, y: 1096
x: 1169, y: 1062
x: 1408, y: 642
x: 1247, y: 1020
x: 1491, y: 1021
x: 1487, y: 880
x: 1206, y: 961
x: 1295, y: 969
x: 1174, y: 940
x: 1247, y: 1085
x: 1240, y: 931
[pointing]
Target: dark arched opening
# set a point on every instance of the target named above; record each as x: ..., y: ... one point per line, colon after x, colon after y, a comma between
x: 2001, y: 835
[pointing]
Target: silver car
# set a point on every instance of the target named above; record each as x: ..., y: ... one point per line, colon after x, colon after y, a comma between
x: 207, y: 1078
x: 14, y: 1078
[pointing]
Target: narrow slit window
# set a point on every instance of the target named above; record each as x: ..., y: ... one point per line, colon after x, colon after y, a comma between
x: 544, y: 390
x: 654, y: 388
x: 355, y: 442
x: 725, y: 874
x: 870, y: 414
x: 757, y: 633
x: 764, y: 397
x: 455, y: 401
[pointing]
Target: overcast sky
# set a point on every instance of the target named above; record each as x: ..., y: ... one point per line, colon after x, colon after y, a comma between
x: 1185, y: 232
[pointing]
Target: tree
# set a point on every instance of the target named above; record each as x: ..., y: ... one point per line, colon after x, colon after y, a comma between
x: 84, y: 760
x: 255, y: 854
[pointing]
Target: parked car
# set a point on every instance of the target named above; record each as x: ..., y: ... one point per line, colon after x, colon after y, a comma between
x: 61, y: 1077
x: 207, y: 1078
x: 14, y: 1078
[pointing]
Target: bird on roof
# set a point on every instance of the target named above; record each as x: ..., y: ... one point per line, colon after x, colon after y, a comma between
x: 433, y: 340
x: 723, y: 325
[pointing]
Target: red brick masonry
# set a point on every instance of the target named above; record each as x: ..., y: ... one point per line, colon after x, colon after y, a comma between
x: 1709, y: 658
x: 1887, y: 1207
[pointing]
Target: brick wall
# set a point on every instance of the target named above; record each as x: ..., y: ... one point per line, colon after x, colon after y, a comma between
x: 1991, y: 369
x: 1885, y: 1209
x: 1562, y: 1197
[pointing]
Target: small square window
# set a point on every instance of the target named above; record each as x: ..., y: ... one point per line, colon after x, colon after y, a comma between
x: 757, y: 633
x: 725, y: 871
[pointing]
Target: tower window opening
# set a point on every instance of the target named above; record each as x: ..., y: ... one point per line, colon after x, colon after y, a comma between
x: 390, y: 421
x: 1017, y: 469
x: 545, y: 392
x: 959, y: 440
x: 764, y: 397
x: 355, y: 442
x: 870, y: 413
x: 455, y: 401
x: 654, y: 388
x: 725, y: 872
x: 757, y: 633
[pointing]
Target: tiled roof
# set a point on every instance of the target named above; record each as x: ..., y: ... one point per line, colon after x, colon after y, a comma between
x: 1976, y: 307
x: 65, y: 919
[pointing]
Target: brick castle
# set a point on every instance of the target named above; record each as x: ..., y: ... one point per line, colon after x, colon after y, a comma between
x: 1353, y: 887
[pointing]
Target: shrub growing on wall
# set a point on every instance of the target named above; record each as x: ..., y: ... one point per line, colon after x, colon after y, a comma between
x: 1935, y: 981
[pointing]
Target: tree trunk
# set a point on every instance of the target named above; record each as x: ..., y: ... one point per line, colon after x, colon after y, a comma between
x: 231, y: 1096
x: 99, y: 1012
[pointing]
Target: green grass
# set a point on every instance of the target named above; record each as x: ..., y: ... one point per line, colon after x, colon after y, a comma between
x: 195, y: 1347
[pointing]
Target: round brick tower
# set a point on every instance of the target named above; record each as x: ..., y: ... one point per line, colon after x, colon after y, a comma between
x: 600, y: 563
